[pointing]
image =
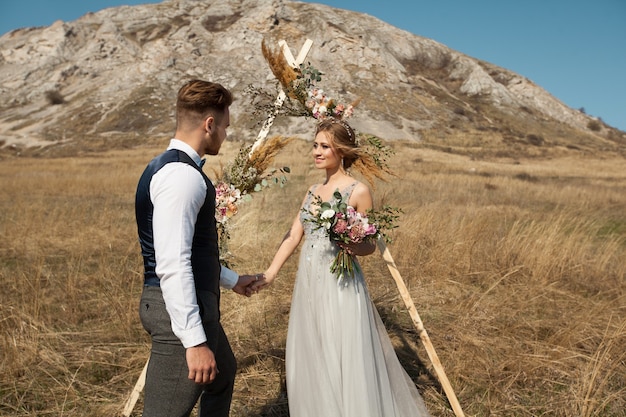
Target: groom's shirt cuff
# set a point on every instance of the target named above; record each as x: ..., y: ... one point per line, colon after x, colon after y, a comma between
x: 228, y: 278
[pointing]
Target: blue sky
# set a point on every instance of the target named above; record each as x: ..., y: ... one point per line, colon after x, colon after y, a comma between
x: 574, y: 49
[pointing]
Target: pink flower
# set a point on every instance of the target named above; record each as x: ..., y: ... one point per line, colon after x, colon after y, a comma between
x: 341, y: 226
x: 357, y: 233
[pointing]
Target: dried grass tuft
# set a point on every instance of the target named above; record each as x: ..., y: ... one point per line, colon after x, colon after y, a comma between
x: 249, y: 168
x: 264, y: 155
x: 283, y: 72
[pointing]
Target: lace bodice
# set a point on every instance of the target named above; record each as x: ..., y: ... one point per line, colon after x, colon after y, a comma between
x: 311, y: 231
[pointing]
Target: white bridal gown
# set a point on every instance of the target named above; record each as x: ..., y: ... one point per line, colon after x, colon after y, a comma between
x: 339, y: 358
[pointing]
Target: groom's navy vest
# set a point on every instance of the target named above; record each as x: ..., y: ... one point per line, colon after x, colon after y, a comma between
x: 204, y: 250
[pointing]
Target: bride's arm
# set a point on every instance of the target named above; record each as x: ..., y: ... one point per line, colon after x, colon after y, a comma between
x: 287, y: 247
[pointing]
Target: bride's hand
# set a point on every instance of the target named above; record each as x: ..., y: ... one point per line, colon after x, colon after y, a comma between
x: 347, y: 247
x: 264, y: 280
x: 361, y: 249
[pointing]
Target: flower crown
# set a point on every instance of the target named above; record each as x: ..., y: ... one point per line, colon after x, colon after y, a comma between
x: 345, y: 125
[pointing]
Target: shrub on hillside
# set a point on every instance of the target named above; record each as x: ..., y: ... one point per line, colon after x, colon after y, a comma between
x: 536, y: 140
x: 54, y: 97
x: 594, y: 125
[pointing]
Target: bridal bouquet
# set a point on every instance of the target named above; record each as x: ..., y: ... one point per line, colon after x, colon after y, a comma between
x: 344, y: 225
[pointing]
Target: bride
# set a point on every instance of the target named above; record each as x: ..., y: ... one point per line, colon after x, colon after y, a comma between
x: 339, y: 359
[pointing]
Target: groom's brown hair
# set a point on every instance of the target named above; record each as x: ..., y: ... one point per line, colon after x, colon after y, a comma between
x: 198, y: 98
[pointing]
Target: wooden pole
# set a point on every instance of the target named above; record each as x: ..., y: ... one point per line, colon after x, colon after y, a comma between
x: 432, y: 355
x: 134, y: 395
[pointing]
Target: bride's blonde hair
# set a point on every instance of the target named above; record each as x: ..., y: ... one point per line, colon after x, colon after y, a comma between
x: 345, y: 142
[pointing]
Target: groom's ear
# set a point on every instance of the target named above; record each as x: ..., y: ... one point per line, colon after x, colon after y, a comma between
x: 209, y: 123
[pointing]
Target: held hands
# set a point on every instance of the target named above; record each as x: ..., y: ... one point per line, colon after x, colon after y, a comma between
x: 243, y: 284
x: 250, y: 284
x: 264, y: 280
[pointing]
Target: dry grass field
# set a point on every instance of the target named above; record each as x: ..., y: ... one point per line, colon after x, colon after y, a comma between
x: 516, y: 265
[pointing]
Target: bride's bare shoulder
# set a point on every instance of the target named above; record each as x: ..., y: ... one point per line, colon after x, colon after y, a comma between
x: 361, y: 188
x: 361, y: 197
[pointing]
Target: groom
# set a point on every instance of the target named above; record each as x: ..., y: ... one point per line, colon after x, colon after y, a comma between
x: 191, y: 357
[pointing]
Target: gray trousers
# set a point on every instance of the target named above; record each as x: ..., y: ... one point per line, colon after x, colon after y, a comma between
x: 168, y: 392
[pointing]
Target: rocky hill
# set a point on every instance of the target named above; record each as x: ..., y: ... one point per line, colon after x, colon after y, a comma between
x: 109, y: 79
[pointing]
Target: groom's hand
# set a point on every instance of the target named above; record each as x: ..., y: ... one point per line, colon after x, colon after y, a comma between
x: 201, y: 364
x: 244, y: 283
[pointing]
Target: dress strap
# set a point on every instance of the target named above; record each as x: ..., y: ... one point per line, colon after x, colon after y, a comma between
x: 309, y: 195
x: 348, y: 190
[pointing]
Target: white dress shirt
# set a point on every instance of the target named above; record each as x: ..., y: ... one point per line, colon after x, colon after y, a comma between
x: 177, y: 192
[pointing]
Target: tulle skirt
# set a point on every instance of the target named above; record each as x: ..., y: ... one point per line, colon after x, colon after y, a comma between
x: 339, y: 359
